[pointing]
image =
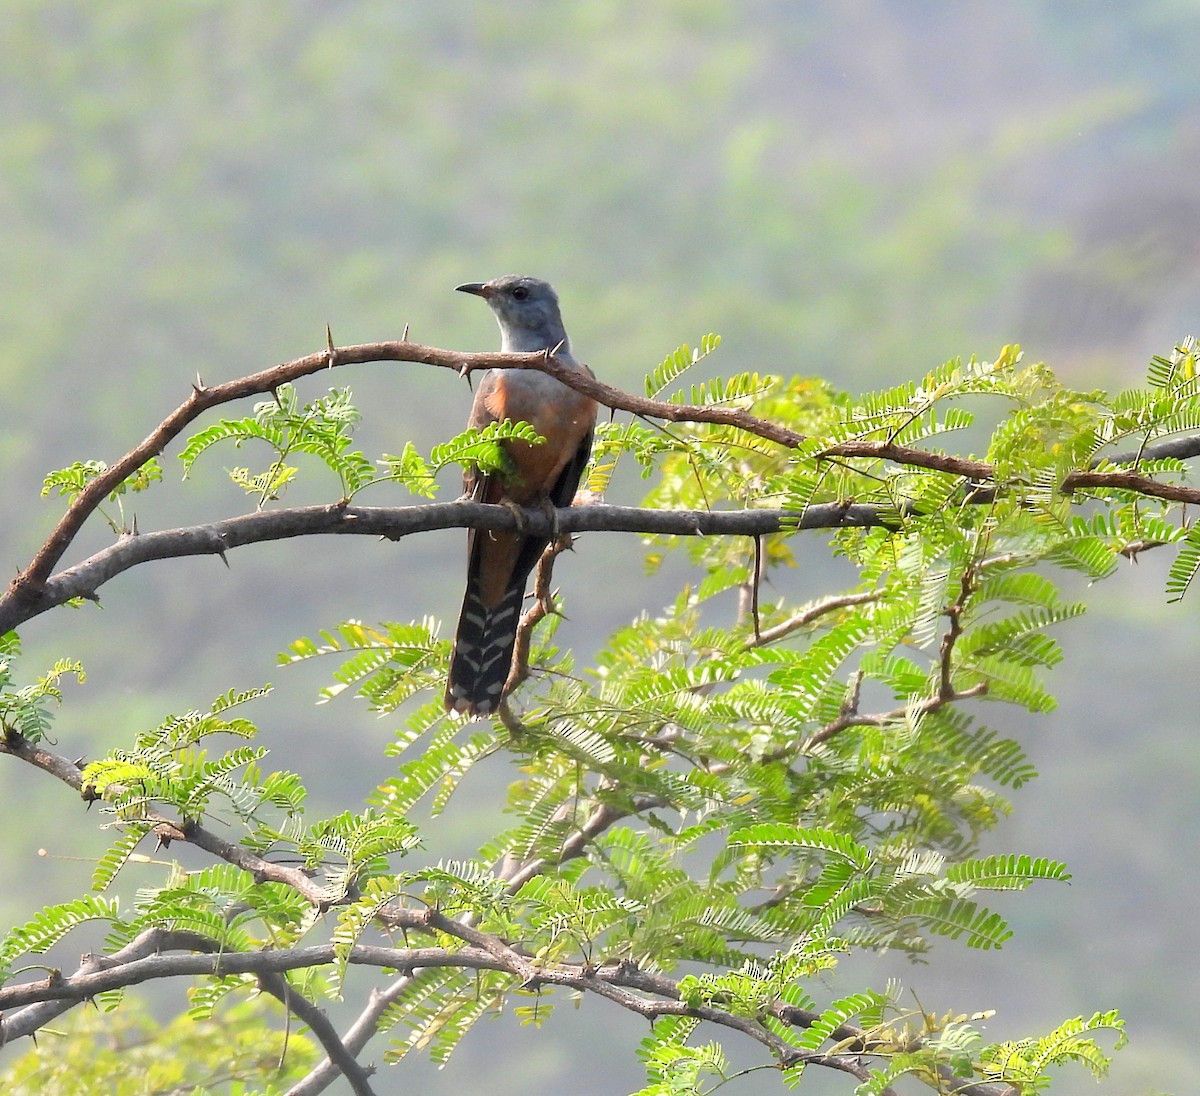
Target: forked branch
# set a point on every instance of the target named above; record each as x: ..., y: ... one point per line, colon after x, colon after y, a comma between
x: 35, y: 588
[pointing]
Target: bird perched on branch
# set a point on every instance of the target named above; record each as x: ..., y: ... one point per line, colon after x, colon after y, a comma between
x: 499, y: 563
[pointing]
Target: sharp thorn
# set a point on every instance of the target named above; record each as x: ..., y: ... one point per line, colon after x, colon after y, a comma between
x: 404, y: 336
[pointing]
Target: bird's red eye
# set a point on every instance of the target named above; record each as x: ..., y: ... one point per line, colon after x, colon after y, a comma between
x: 519, y: 292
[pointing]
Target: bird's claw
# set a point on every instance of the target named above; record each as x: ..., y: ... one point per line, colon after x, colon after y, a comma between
x: 551, y: 511
x: 517, y: 512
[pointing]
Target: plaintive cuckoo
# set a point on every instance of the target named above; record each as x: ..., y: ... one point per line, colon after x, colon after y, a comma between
x: 499, y: 563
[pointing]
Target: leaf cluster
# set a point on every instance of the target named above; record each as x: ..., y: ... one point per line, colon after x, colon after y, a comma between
x: 322, y: 428
x: 26, y: 710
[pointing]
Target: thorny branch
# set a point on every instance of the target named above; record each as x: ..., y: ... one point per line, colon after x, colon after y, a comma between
x: 34, y: 589
x: 29, y: 582
x: 85, y: 579
x: 543, y: 606
x: 30, y: 1005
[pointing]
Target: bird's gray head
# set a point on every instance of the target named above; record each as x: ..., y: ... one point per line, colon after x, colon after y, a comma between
x: 526, y: 310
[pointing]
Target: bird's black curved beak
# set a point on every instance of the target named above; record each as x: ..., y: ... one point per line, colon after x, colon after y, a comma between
x: 480, y: 289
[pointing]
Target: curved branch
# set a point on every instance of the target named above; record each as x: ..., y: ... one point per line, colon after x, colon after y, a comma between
x: 34, y: 589
x: 808, y: 615
x: 30, y: 581
x: 318, y: 1023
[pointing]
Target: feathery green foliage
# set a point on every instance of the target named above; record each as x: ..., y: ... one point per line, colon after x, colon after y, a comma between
x: 26, y: 710
x: 322, y: 428
x: 740, y: 791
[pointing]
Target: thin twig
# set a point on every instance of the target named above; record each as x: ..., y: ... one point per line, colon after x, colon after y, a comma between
x: 543, y: 605
x: 809, y: 615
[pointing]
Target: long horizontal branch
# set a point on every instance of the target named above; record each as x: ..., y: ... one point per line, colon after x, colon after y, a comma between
x: 84, y: 579
x: 145, y: 960
x: 27, y: 1007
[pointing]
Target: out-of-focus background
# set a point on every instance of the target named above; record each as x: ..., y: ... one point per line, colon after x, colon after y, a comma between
x: 858, y: 190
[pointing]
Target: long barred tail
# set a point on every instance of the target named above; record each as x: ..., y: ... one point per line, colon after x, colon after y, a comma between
x: 483, y: 651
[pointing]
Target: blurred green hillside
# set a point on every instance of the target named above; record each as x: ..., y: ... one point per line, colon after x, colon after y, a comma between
x: 857, y: 190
